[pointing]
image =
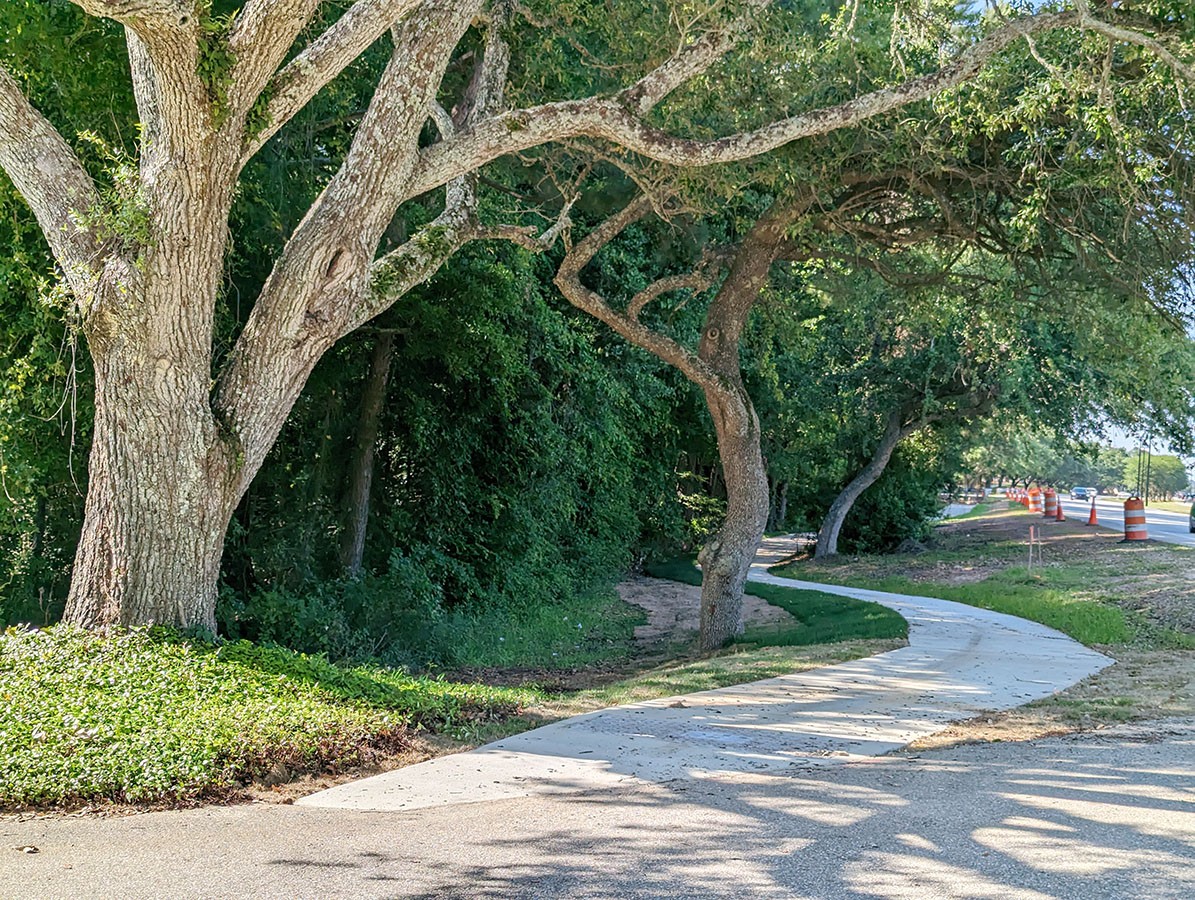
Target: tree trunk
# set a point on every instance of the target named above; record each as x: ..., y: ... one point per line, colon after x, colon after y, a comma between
x: 827, y: 536
x: 726, y: 559
x: 159, y: 500
x: 165, y: 473
x: 352, y: 548
x: 779, y: 512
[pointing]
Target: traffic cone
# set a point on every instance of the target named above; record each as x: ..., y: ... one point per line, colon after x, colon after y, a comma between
x: 1091, y: 519
x: 1059, y: 515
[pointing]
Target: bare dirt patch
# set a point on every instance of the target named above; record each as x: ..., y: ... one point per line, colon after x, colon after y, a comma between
x: 674, y: 609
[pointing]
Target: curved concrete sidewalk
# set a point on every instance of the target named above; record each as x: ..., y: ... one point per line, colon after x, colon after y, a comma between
x: 960, y: 661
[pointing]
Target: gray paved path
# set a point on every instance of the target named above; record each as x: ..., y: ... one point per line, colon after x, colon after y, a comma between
x: 960, y: 661
x: 1110, y: 815
x: 768, y: 790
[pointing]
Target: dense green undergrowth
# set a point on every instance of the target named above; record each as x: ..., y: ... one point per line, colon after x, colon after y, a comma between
x: 144, y: 715
x: 377, y: 619
x: 820, y: 618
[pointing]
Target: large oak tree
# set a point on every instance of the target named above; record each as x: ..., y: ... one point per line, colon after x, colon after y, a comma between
x: 180, y: 432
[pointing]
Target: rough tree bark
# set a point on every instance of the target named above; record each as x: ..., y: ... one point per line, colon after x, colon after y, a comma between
x: 172, y: 454
x: 726, y: 558
x: 827, y: 535
x: 715, y: 367
x: 356, y: 518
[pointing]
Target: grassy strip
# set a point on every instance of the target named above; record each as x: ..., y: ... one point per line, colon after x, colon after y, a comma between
x: 143, y: 715
x: 979, y: 509
x: 1014, y: 591
x: 820, y: 618
x: 1176, y: 506
x: 595, y: 628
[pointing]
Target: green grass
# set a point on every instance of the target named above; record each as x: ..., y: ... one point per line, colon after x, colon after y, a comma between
x: 1048, y: 599
x: 820, y: 617
x: 144, y: 716
x: 979, y: 509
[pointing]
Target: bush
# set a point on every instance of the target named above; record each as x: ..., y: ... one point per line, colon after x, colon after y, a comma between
x: 899, y: 506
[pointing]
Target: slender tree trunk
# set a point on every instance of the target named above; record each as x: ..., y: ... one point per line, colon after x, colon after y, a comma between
x: 779, y: 513
x: 827, y: 536
x: 726, y: 558
x: 352, y: 549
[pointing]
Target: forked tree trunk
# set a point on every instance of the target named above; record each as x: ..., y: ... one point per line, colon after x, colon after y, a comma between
x: 726, y: 559
x: 827, y: 536
x: 352, y: 548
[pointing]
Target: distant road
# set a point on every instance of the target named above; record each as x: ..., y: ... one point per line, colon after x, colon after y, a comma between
x: 1171, y: 527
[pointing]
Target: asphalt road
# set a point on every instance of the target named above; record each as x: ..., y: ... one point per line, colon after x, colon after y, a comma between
x: 1170, y: 527
x: 1110, y: 815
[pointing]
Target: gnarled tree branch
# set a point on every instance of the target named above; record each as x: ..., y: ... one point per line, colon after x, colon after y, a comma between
x: 53, y: 182
x: 568, y: 279
x: 303, y: 77
x: 617, y: 119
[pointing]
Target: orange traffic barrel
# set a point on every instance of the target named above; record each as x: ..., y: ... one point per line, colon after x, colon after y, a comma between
x: 1134, y: 520
x: 1034, y: 500
x: 1051, y: 510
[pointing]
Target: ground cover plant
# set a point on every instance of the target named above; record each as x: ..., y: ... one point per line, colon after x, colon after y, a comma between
x: 146, y: 715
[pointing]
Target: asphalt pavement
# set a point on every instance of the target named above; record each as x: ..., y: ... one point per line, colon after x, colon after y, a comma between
x: 1168, y: 527
x: 1108, y: 815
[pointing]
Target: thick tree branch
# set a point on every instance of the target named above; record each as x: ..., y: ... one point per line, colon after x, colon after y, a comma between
x: 417, y: 260
x: 261, y: 36
x: 1090, y: 22
x: 53, y: 182
x: 728, y: 312
x: 616, y: 119
x: 138, y: 13
x: 325, y: 283
x: 326, y: 57
x: 568, y: 279
x: 172, y: 101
